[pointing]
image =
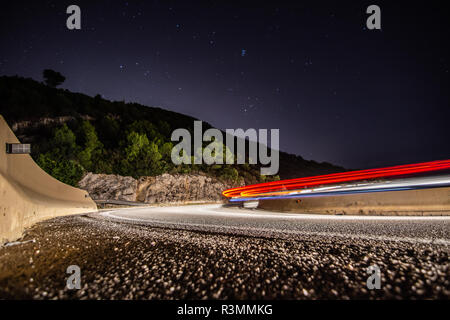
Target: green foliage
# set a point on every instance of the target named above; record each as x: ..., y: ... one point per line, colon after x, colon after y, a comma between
x: 137, y: 145
x: 166, y: 150
x: 230, y: 174
x: 109, y: 131
x: 264, y: 178
x: 60, y: 160
x: 141, y: 156
x: 64, y: 143
x: 69, y: 172
x: 93, y: 148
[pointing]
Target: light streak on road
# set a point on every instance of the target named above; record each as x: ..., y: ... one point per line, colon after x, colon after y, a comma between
x: 233, y: 220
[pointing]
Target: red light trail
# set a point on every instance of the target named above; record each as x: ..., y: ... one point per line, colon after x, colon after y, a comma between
x: 293, y: 184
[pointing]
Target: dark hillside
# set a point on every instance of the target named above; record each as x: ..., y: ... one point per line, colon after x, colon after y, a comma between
x: 73, y: 133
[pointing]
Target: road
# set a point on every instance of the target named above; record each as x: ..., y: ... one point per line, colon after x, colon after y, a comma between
x: 210, y: 252
x: 238, y: 221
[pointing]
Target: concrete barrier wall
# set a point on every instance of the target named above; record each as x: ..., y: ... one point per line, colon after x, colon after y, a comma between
x: 434, y: 201
x: 28, y: 194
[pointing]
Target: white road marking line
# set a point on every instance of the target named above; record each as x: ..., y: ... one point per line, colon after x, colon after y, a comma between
x: 218, y: 210
x: 290, y: 232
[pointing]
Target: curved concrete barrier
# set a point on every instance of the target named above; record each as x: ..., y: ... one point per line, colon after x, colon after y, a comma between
x: 28, y: 194
x: 435, y: 201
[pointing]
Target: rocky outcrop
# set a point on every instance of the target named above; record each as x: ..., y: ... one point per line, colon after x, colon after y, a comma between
x: 25, y: 124
x: 109, y: 187
x: 166, y: 188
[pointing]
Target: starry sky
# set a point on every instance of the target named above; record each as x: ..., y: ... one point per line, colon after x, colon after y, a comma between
x: 337, y: 91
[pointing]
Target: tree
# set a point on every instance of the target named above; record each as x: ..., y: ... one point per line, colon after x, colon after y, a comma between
x: 53, y: 78
x: 230, y: 174
x: 67, y: 171
x: 92, y: 146
x: 60, y: 160
x: 141, y: 156
x: 64, y: 143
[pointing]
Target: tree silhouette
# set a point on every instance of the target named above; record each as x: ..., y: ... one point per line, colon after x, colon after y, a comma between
x: 53, y: 78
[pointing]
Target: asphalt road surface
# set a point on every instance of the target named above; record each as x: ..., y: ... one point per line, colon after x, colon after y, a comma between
x: 211, y: 252
x: 234, y: 220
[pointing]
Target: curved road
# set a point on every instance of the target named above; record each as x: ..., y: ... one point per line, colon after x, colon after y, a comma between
x: 215, y: 252
x: 234, y: 220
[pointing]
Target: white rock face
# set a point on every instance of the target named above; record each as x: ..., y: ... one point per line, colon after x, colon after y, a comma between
x: 166, y: 188
x: 109, y: 187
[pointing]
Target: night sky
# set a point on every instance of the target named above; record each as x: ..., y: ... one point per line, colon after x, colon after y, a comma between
x: 338, y: 92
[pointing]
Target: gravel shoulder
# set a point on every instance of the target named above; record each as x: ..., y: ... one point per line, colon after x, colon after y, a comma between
x: 132, y: 261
